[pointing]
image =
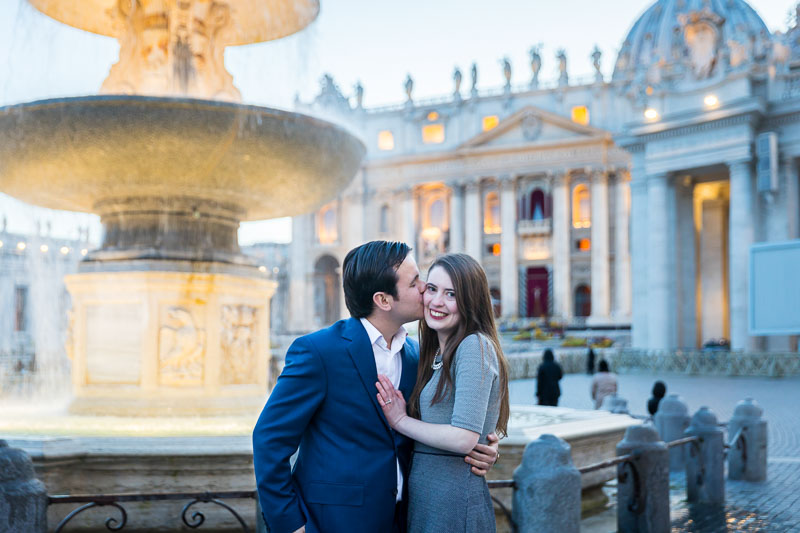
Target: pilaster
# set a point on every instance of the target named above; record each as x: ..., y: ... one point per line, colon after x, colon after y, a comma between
x: 562, y: 269
x: 600, y: 278
x: 509, y: 275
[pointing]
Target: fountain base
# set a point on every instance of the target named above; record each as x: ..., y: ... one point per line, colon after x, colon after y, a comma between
x: 150, y: 343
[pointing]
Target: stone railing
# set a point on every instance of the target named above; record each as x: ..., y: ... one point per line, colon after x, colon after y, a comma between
x: 706, y: 362
x: 547, y: 486
x: 535, y: 227
x: 523, y: 363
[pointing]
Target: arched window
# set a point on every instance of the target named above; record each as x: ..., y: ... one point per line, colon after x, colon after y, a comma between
x: 327, y: 230
x: 384, y: 219
x: 581, y: 207
x: 491, y: 213
x: 583, y: 300
x: 537, y: 207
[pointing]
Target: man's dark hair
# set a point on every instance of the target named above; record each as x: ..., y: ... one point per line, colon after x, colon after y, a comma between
x: 371, y: 268
x: 603, y: 366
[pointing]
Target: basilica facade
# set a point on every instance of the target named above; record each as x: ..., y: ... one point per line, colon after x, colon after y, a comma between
x: 629, y: 201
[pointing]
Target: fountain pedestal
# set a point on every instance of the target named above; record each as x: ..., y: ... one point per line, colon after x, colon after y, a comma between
x: 144, y: 343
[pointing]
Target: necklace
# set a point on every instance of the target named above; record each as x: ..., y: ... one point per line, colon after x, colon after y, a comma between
x: 437, y: 360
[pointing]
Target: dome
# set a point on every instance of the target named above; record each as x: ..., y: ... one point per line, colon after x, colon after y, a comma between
x: 691, y: 40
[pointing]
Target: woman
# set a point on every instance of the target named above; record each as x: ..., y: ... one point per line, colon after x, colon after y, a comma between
x: 461, y: 396
x: 604, y: 383
x: 548, y: 375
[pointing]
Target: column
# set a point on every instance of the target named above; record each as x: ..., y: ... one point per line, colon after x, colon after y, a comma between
x: 600, y: 278
x: 741, y: 223
x: 562, y: 293
x: 409, y: 220
x: 792, y: 193
x: 685, y: 265
x: 659, y: 315
x: 456, y: 217
x: 622, y: 257
x: 473, y: 220
x: 639, y: 253
x: 509, y: 275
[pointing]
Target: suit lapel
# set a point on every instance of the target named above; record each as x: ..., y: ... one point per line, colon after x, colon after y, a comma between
x: 360, y: 351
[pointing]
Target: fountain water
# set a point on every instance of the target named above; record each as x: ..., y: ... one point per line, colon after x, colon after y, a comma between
x: 169, y: 317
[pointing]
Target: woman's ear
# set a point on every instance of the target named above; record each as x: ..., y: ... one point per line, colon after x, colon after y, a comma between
x: 382, y: 301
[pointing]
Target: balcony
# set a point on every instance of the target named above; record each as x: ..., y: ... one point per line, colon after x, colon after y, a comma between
x: 535, y: 227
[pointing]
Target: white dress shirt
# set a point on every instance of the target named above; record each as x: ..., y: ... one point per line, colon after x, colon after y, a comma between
x: 389, y: 363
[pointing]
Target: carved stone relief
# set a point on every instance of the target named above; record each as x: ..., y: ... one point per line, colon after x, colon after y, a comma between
x: 181, y: 348
x: 531, y: 126
x: 238, y: 343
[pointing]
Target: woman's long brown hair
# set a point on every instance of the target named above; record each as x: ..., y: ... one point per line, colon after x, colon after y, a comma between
x: 475, y: 307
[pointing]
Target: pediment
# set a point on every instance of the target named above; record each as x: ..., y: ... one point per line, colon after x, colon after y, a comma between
x: 531, y: 125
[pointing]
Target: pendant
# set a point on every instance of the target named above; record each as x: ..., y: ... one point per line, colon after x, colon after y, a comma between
x: 437, y: 361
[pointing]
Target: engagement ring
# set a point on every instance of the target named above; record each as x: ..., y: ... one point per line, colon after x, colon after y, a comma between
x: 388, y: 401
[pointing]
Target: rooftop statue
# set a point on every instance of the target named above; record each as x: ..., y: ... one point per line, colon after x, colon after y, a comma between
x: 563, y: 77
x: 474, y: 72
x: 409, y: 86
x: 507, y: 72
x: 457, y: 81
x: 596, y: 56
x: 536, y: 65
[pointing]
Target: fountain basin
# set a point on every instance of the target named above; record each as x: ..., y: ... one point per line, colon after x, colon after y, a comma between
x: 84, y: 153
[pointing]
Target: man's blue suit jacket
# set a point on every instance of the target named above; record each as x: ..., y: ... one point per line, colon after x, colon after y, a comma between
x: 345, y: 476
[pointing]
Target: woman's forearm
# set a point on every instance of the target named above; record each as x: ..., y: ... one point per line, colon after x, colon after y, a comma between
x: 442, y: 436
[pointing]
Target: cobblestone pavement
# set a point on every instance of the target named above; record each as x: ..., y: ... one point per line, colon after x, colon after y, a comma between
x: 773, y: 506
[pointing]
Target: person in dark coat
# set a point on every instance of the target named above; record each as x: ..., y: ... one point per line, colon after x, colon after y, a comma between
x: 590, y: 362
x: 548, y: 375
x: 659, y: 391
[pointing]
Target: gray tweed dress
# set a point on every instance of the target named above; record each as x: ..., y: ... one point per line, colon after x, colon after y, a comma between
x: 444, y: 495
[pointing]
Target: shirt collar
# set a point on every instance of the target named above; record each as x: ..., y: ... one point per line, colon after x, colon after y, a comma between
x: 375, y: 336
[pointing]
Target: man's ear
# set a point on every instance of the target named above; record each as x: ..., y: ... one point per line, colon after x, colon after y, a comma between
x: 382, y: 301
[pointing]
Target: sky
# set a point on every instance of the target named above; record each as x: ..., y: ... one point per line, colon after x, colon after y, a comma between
x: 375, y: 42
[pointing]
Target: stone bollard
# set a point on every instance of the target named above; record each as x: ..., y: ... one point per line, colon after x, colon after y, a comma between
x: 747, y: 460
x: 615, y: 404
x: 671, y: 420
x: 23, y: 498
x: 705, y: 460
x: 643, y: 488
x: 547, y: 497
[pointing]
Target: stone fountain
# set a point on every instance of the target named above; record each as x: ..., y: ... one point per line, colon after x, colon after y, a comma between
x: 168, y: 316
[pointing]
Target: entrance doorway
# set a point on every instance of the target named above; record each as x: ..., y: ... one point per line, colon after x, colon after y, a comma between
x: 536, y: 288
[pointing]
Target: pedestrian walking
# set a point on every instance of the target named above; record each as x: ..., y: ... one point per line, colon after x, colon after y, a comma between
x: 548, y: 375
x: 604, y: 383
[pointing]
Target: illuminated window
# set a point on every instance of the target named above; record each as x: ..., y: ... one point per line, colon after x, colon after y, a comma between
x: 496, y: 249
x: 327, y: 231
x: 433, y: 133
x: 490, y: 122
x: 584, y: 245
x: 385, y: 140
x: 432, y: 116
x: 581, y: 207
x: 580, y: 114
x: 491, y: 214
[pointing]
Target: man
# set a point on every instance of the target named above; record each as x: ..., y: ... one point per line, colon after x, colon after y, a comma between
x: 351, y: 468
